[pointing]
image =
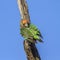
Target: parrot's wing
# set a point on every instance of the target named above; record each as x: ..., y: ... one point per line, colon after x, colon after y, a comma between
x: 36, y: 30
x: 38, y: 38
x: 25, y: 33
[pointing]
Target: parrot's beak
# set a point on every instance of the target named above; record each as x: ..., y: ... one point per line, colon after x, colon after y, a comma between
x: 26, y: 25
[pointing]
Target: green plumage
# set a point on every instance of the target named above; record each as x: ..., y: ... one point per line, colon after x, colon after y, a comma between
x: 31, y: 31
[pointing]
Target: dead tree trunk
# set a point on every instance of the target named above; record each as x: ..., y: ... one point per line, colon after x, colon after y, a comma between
x: 30, y: 48
x: 31, y: 51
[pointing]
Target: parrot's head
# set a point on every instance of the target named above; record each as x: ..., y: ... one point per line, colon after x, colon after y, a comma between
x: 24, y: 23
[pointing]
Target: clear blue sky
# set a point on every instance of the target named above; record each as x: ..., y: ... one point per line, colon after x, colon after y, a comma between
x: 45, y: 14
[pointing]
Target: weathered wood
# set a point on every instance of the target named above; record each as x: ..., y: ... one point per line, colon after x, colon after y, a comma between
x: 23, y: 9
x: 31, y: 51
x: 30, y: 48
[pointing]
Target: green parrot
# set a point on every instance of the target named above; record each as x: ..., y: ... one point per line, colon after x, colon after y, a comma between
x: 30, y: 31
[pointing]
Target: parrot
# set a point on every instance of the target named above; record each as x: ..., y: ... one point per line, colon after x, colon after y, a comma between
x: 30, y: 31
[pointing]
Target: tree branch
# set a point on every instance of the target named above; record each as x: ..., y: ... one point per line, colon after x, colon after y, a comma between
x: 23, y: 8
x: 31, y: 51
x: 30, y: 48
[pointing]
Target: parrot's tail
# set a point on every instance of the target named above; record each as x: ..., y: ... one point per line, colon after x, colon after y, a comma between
x: 40, y: 40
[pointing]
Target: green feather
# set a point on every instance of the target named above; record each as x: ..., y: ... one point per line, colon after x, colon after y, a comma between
x: 35, y: 30
x: 26, y: 33
x: 31, y: 31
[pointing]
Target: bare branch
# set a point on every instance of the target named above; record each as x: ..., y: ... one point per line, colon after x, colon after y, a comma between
x: 23, y: 8
x: 30, y: 48
x: 31, y: 51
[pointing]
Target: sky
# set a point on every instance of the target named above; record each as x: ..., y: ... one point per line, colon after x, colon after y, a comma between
x: 45, y: 14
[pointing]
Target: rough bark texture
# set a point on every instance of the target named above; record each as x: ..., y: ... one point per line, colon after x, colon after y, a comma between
x: 31, y: 51
x: 23, y: 9
x: 30, y: 48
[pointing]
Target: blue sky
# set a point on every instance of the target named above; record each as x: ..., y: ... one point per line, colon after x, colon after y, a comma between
x: 45, y: 14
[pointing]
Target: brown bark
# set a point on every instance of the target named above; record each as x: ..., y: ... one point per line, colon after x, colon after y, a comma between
x: 30, y: 48
x: 31, y: 51
x: 23, y: 9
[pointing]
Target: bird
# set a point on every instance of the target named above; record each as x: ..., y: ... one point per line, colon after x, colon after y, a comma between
x: 30, y: 32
